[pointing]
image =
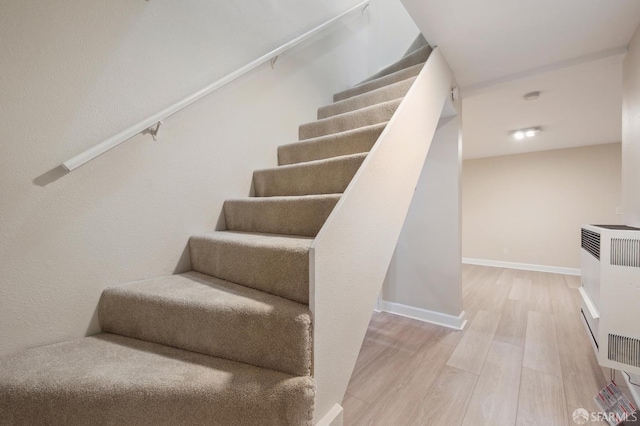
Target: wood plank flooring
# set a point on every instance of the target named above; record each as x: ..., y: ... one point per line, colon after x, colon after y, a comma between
x: 523, y: 359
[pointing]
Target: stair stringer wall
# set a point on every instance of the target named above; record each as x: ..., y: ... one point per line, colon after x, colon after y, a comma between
x: 350, y: 256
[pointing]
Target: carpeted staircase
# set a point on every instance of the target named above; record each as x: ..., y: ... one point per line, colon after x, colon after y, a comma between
x: 228, y: 343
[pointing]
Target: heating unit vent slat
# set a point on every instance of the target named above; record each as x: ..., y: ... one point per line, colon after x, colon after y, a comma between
x: 591, y: 242
x: 625, y: 350
x: 625, y: 252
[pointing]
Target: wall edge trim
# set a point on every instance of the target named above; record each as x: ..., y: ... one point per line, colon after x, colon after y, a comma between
x: 523, y: 266
x: 333, y: 418
x: 425, y: 315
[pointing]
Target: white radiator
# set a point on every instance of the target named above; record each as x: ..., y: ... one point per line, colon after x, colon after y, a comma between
x: 610, y: 261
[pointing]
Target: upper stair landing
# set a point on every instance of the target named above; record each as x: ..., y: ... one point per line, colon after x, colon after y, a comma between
x: 419, y: 56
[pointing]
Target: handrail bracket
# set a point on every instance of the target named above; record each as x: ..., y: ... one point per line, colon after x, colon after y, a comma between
x: 153, y: 130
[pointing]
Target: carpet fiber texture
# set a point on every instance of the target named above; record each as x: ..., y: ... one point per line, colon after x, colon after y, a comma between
x: 326, y: 176
x: 195, y: 312
x: 115, y: 380
x: 229, y: 343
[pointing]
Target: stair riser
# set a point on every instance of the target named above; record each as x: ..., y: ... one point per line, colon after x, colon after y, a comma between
x: 327, y: 177
x: 283, y: 272
x: 363, y: 117
x: 378, y: 83
x: 346, y: 143
x: 288, y: 217
x: 134, y: 310
x: 384, y: 94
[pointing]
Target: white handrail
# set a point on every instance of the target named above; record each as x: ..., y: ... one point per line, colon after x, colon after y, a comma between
x: 156, y: 119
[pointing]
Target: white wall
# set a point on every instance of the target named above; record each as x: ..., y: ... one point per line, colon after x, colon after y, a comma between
x: 350, y: 256
x: 631, y: 132
x: 75, y: 73
x: 424, y: 274
x: 534, y: 204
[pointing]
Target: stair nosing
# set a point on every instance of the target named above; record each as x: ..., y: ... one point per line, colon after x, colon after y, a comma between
x: 312, y: 163
x: 284, y: 300
x: 368, y: 93
x: 275, y: 198
x: 421, y: 64
x: 355, y: 111
x: 265, y: 235
x: 318, y: 139
x: 389, y: 76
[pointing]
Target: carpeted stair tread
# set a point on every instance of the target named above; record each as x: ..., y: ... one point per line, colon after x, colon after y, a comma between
x: 382, y: 94
x: 114, y: 380
x: 418, y: 56
x: 379, y: 82
x: 326, y: 176
x: 276, y: 264
x: 373, y: 114
x: 211, y: 316
x: 337, y: 144
x: 290, y: 215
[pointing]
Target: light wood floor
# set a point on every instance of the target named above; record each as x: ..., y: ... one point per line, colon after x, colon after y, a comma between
x: 523, y: 359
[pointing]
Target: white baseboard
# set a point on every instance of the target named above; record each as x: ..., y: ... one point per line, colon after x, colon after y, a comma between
x: 438, y: 318
x: 523, y: 266
x: 333, y: 418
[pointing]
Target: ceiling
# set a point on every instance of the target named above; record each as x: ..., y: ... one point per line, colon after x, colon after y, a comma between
x: 491, y: 39
x: 579, y: 105
x: 570, y: 50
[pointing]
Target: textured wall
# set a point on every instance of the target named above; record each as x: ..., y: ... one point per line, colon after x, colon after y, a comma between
x: 74, y: 73
x: 534, y: 204
x: 631, y: 132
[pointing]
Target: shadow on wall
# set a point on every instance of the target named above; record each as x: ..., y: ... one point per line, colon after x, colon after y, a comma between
x: 60, y: 171
x: 50, y: 176
x: 184, y: 263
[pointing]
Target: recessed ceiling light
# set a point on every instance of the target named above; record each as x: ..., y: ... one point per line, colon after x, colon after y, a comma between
x: 531, y: 96
x: 526, y: 133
